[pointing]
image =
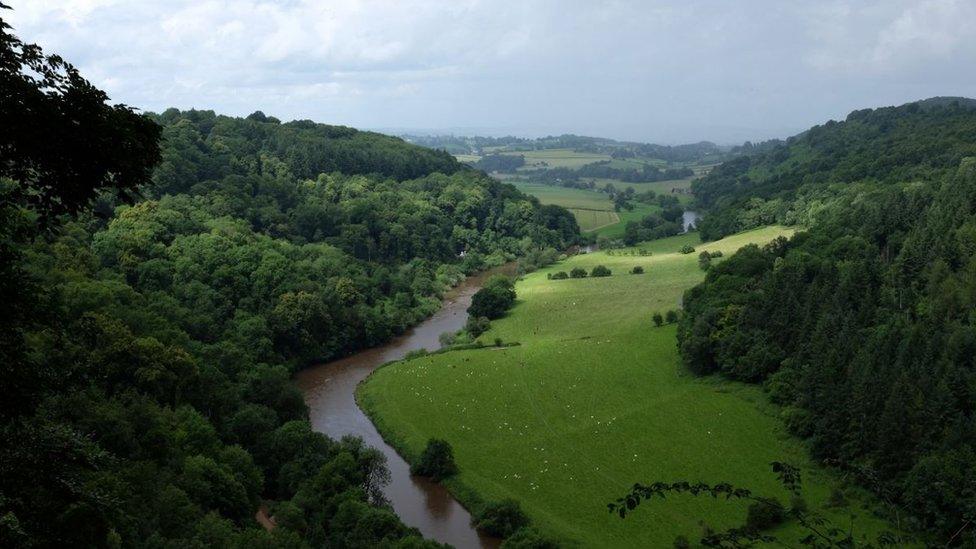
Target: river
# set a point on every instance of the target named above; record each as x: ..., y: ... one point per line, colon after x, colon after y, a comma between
x: 329, y: 391
x: 690, y: 220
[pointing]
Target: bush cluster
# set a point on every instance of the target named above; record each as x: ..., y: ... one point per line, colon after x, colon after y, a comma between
x: 436, y: 461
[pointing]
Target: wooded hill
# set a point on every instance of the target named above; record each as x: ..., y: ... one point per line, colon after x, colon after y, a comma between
x: 861, y: 327
x: 801, y: 180
x: 149, y: 326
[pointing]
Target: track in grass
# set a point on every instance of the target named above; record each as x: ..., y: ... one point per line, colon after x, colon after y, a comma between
x: 593, y: 400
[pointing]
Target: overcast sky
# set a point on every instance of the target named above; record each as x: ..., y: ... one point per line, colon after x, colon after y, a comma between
x: 667, y: 72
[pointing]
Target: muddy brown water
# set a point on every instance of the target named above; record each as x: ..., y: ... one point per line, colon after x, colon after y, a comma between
x: 330, y: 390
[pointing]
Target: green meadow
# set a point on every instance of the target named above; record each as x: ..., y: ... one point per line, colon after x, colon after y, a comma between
x: 593, y: 399
x: 558, y: 158
x: 595, y: 220
x: 616, y: 230
x: 566, y: 197
x: 593, y: 210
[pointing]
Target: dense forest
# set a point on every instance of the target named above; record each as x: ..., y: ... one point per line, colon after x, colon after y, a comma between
x: 861, y: 326
x: 162, y: 277
x: 798, y: 181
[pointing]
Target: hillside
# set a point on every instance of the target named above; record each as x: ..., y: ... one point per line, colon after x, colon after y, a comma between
x: 150, y: 325
x: 796, y: 182
x: 862, y: 325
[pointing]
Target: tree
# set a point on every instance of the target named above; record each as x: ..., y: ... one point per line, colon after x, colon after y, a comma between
x: 658, y: 319
x: 671, y: 316
x: 704, y: 261
x: 687, y: 249
x: 494, y: 299
x: 501, y: 519
x: 762, y: 515
x: 477, y: 326
x: 62, y: 143
x: 436, y: 461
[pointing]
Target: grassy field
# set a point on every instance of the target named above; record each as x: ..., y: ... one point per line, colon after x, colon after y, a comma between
x: 565, y: 196
x: 593, y: 399
x: 639, y: 212
x: 558, y: 158
x: 595, y: 220
x: 468, y: 158
x: 593, y: 210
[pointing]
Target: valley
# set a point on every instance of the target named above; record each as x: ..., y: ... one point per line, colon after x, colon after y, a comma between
x: 592, y: 399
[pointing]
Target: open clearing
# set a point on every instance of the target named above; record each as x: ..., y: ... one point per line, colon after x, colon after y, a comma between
x: 593, y: 210
x: 592, y: 220
x: 557, y: 158
x: 566, y: 197
x: 594, y: 399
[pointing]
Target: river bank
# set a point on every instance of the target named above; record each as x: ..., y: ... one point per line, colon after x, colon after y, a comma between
x: 329, y: 390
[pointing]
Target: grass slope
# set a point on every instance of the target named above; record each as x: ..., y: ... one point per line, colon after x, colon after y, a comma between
x: 593, y: 400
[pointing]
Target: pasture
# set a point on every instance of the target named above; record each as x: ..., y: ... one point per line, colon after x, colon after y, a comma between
x: 594, y: 399
x: 595, y: 220
x: 557, y: 158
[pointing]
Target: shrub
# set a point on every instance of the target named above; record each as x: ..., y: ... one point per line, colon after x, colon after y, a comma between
x: 475, y: 326
x: 600, y: 270
x: 288, y: 515
x: 637, y: 270
x: 658, y: 319
x: 716, y: 253
x: 687, y: 249
x: 681, y: 542
x: 837, y: 498
x: 496, y: 297
x: 764, y: 514
x: 529, y: 538
x: 561, y: 275
x: 671, y: 316
x: 577, y: 272
x: 798, y: 504
x: 436, y: 462
x: 704, y: 261
x: 446, y: 339
x: 501, y: 519
x: 416, y: 354
x: 498, y: 342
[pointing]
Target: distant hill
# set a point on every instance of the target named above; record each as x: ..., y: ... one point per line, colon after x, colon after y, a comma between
x: 946, y: 101
x: 307, y: 148
x: 478, y: 145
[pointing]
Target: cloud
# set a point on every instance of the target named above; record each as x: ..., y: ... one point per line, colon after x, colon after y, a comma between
x: 649, y: 69
x: 891, y: 36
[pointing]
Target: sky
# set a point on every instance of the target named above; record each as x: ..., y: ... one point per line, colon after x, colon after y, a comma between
x: 657, y: 71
